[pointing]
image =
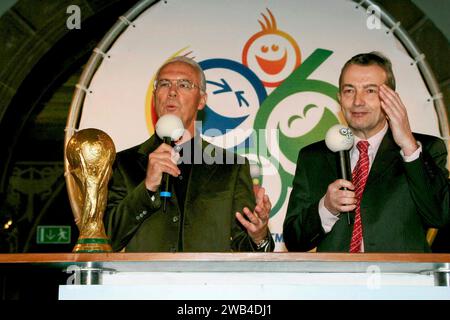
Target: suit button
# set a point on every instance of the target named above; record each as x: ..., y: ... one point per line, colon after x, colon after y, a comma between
x: 175, y: 219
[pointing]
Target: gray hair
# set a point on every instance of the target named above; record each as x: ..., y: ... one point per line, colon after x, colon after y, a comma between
x: 190, y: 62
x: 372, y: 58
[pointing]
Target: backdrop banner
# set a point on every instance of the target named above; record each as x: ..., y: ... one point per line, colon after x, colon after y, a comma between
x: 272, y: 70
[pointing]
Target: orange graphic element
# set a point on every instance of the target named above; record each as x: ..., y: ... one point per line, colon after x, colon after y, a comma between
x: 272, y: 66
x: 268, y: 65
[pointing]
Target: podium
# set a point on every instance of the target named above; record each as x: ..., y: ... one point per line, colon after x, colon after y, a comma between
x: 243, y: 276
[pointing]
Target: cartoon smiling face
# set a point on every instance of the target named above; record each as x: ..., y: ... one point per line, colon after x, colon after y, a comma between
x: 269, y: 60
x: 272, y: 54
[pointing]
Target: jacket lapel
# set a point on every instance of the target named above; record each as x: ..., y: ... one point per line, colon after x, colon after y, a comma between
x: 333, y: 161
x: 145, y: 149
x: 388, y: 154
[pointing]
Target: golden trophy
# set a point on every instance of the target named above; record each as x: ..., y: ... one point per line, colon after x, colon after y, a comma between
x: 90, y: 154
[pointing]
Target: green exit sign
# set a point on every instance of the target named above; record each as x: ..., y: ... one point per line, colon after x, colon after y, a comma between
x: 53, y: 234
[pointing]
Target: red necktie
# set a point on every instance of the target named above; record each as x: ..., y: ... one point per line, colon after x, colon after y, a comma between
x: 359, y: 176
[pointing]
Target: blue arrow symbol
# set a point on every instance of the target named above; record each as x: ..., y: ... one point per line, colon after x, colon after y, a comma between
x: 240, y: 98
x: 214, y: 120
x: 225, y: 87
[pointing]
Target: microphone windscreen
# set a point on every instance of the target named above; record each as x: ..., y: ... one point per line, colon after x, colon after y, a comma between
x: 169, y: 126
x: 339, y: 138
x: 255, y: 170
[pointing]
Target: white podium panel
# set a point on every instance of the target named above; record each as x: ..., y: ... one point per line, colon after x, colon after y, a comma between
x: 250, y: 292
x: 260, y: 277
x: 257, y: 286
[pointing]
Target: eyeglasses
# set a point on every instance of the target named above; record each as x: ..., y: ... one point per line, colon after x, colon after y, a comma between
x: 181, y: 84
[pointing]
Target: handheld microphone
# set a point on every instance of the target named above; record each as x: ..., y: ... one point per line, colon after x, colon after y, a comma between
x: 169, y: 128
x: 339, y: 138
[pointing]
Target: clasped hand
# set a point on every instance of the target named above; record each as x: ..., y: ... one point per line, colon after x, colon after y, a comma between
x: 162, y: 160
x: 338, y: 200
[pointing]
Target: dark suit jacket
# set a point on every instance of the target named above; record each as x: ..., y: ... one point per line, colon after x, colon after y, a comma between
x: 400, y: 202
x: 214, y: 193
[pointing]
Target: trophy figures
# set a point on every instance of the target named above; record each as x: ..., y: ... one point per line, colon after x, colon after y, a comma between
x: 90, y: 154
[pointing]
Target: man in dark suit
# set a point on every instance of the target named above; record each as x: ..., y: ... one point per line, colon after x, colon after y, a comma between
x: 400, y: 181
x: 213, y: 208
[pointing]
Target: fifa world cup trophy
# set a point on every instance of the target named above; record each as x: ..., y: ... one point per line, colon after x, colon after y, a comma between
x: 90, y: 154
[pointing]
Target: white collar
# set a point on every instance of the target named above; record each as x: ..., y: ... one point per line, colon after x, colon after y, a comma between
x: 375, y: 140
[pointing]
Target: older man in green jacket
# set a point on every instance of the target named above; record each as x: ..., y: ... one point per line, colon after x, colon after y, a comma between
x: 214, y: 208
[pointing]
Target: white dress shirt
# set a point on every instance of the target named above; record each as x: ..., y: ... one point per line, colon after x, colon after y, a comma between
x: 327, y: 218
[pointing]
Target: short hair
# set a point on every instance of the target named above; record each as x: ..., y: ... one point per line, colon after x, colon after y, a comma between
x: 369, y: 59
x: 190, y: 62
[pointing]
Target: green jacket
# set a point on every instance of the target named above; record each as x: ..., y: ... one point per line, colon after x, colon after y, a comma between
x: 400, y: 202
x: 214, y: 193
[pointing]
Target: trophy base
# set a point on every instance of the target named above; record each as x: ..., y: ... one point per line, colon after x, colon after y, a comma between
x: 92, y: 245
